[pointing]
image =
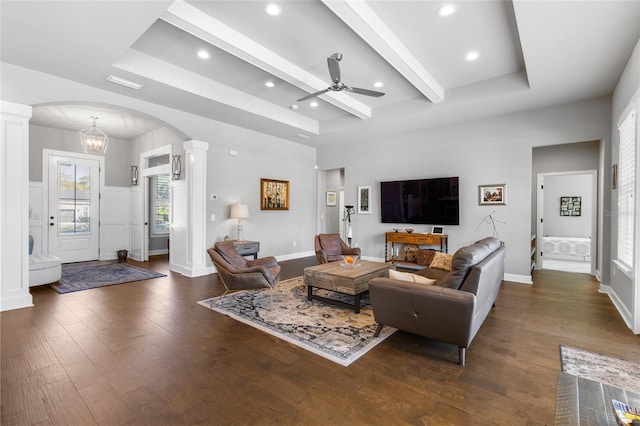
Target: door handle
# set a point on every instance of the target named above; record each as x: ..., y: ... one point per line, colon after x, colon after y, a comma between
x: 52, y: 224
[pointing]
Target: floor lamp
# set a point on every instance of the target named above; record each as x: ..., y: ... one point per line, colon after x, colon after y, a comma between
x: 348, y: 211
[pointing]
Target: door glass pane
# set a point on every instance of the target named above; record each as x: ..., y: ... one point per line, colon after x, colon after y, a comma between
x: 74, y: 199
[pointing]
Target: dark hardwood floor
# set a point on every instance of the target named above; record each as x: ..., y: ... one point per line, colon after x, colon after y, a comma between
x: 145, y: 353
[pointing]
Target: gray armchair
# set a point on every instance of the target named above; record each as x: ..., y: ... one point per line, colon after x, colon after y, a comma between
x: 238, y: 273
x: 330, y: 247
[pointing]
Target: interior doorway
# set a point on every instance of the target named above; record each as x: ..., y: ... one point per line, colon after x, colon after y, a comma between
x: 567, y: 221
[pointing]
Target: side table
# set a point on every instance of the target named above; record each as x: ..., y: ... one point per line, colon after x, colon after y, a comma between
x: 247, y: 248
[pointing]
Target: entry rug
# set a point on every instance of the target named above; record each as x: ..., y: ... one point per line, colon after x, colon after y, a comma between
x: 601, y: 368
x: 87, y: 275
x: 333, y: 332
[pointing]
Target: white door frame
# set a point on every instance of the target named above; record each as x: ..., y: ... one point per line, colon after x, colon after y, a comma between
x: 46, y: 153
x: 145, y: 173
x: 594, y: 217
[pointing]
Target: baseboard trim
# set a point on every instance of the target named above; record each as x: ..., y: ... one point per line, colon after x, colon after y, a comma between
x: 16, y: 302
x: 292, y: 256
x: 515, y: 278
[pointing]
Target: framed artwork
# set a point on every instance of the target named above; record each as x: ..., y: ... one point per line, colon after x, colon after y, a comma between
x: 437, y: 230
x: 364, y: 200
x: 570, y: 206
x: 491, y: 195
x: 332, y: 196
x: 274, y: 194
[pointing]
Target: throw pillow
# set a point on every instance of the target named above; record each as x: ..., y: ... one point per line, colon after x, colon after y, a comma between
x: 442, y: 261
x: 406, y: 276
x: 425, y: 257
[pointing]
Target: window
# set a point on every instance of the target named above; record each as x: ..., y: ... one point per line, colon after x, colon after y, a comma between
x: 626, y: 190
x: 160, y: 204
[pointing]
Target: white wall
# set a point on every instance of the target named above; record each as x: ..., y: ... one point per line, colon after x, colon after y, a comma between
x: 558, y: 186
x: 490, y: 151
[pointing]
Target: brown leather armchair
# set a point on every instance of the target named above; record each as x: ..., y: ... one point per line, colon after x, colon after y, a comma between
x: 330, y: 247
x: 238, y: 273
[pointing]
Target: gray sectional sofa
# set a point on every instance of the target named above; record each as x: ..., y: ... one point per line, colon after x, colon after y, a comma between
x: 451, y: 310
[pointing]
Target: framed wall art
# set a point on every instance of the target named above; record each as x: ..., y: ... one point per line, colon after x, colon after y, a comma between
x: 332, y: 197
x: 570, y: 206
x: 274, y: 194
x: 364, y: 200
x: 491, y: 195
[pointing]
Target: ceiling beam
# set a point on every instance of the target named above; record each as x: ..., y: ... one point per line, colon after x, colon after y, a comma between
x: 194, y: 21
x: 171, y: 75
x: 368, y: 25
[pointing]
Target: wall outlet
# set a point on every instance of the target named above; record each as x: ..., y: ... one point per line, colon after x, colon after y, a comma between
x: 294, y: 243
x: 213, y: 218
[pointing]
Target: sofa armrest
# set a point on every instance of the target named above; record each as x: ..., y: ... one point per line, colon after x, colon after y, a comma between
x: 436, y: 312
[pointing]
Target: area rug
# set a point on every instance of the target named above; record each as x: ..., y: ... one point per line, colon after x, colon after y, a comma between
x: 601, y: 368
x: 333, y: 332
x: 87, y: 275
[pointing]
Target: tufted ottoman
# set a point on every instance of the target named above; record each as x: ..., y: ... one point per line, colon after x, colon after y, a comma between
x: 44, y: 269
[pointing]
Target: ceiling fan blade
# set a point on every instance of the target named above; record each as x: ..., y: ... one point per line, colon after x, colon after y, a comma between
x: 334, y: 69
x: 313, y: 95
x: 366, y: 92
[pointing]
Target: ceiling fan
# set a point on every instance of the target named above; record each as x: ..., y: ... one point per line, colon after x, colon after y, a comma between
x: 337, y: 85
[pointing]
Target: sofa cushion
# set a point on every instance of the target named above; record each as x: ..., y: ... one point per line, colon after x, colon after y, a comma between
x: 442, y: 261
x: 407, y: 276
x: 462, y: 261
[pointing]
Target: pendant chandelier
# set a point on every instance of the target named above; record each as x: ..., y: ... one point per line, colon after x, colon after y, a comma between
x: 94, y: 140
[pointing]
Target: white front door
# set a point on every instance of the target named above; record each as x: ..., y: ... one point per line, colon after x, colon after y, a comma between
x: 74, y: 206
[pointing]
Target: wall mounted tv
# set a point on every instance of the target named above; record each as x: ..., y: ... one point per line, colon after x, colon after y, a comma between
x: 420, y: 201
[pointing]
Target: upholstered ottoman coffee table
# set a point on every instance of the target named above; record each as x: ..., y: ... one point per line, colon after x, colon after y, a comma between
x: 338, y: 278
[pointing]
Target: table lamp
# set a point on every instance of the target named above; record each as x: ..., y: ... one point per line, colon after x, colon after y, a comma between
x: 239, y: 211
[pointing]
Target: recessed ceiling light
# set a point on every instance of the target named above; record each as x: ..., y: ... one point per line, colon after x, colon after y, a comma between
x: 313, y: 104
x: 273, y: 9
x: 203, y: 54
x: 378, y: 84
x: 447, y: 10
x: 269, y: 84
x: 472, y: 56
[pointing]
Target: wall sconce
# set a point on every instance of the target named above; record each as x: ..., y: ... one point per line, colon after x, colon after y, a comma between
x: 176, y: 167
x: 239, y: 211
x: 134, y: 175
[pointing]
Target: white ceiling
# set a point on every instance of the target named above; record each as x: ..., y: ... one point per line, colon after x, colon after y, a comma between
x: 532, y: 54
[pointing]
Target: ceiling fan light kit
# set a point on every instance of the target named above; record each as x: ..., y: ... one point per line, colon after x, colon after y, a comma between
x: 336, y: 84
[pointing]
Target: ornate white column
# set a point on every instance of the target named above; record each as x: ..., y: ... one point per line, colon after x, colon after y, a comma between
x: 14, y: 206
x: 188, y: 252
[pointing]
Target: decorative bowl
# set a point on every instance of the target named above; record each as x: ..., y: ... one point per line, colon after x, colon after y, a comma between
x: 409, y: 230
x: 350, y: 261
x: 396, y: 229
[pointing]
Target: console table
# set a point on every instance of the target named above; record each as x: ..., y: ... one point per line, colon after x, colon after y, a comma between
x: 247, y: 248
x: 440, y: 241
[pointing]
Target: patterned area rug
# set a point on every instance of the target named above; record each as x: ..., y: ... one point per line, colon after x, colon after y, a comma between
x: 332, y: 332
x: 601, y: 368
x: 87, y: 275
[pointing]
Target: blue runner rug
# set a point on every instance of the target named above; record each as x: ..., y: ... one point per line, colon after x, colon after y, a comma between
x: 87, y: 275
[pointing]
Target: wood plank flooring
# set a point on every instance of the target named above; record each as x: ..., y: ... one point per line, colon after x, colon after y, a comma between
x: 145, y: 353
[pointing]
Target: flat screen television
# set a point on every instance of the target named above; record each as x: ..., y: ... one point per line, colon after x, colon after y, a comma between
x: 420, y: 201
